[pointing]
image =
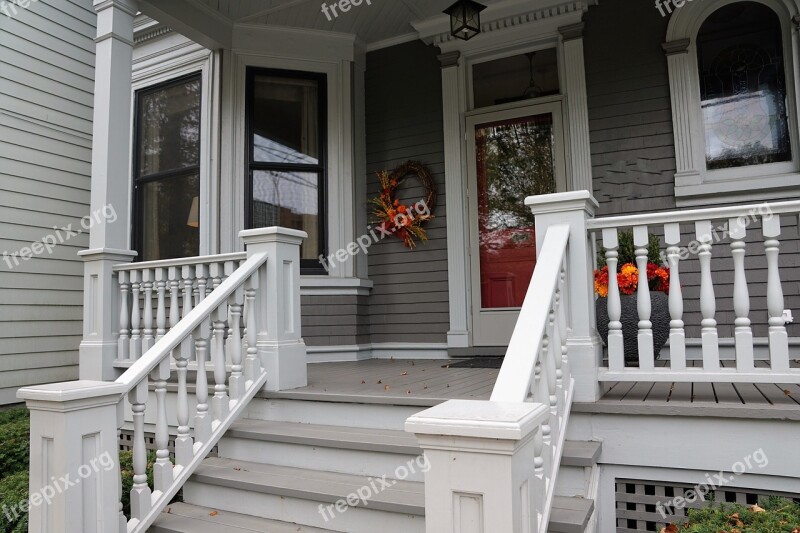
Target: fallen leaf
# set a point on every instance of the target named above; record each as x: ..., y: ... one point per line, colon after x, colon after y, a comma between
x: 415, y: 364
x: 787, y: 392
x: 671, y: 528
x: 213, y: 513
x: 425, y: 387
x: 404, y: 374
x: 362, y: 381
x: 169, y: 510
x: 757, y: 509
x: 386, y: 387
x: 448, y: 385
x: 380, y: 381
x: 237, y: 468
x: 408, y: 392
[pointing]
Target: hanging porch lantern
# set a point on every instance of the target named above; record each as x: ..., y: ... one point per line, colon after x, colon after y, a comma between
x: 465, y: 19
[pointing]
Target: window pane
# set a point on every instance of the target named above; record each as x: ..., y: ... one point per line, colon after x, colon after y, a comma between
x: 169, y: 128
x: 285, y: 115
x: 515, y: 78
x: 169, y: 215
x: 514, y: 161
x: 291, y: 200
x: 743, y: 87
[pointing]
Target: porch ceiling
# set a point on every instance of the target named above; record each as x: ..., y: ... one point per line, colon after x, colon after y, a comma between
x: 212, y: 22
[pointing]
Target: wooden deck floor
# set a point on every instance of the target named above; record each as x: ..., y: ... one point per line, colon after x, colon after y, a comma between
x: 395, y: 381
x: 426, y: 383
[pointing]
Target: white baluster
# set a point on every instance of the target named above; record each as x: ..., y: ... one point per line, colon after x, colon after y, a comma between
x: 558, y: 349
x: 202, y: 282
x: 541, y: 396
x: 778, y: 338
x: 162, y: 469
x: 236, y: 382
x: 183, y: 440
x: 252, y: 364
x: 566, y: 372
x: 743, y: 334
x: 216, y: 271
x: 202, y: 419
x: 147, y: 284
x: 677, y: 335
x: 708, y: 303
x: 161, y: 308
x: 221, y: 401
x: 187, y: 274
x: 616, y: 347
x: 124, y: 342
x: 174, y: 291
x: 140, y: 492
x: 136, y: 332
x: 643, y: 304
x: 230, y: 268
x: 552, y: 346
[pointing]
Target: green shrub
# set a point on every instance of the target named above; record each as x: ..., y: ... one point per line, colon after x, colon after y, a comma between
x: 15, y: 439
x: 13, y: 492
x: 778, y: 515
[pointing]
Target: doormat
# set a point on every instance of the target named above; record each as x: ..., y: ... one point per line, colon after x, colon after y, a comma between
x: 478, y: 362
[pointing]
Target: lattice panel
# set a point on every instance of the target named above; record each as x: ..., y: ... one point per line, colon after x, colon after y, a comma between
x: 636, y: 502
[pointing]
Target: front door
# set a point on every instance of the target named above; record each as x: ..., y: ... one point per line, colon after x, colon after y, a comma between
x: 512, y: 154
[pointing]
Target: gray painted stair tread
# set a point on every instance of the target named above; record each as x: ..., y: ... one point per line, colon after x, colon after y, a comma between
x: 324, y: 487
x: 185, y: 518
x: 580, y: 453
x: 382, y: 440
x: 570, y: 515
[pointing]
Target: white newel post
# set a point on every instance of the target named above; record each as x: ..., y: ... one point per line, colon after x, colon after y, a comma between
x: 108, y: 240
x: 479, y: 470
x: 279, y: 340
x: 583, y: 343
x: 74, y: 474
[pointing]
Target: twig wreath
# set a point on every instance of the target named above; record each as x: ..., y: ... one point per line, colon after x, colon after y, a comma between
x: 405, y: 221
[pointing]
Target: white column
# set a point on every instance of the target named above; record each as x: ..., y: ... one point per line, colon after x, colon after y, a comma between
x: 279, y: 341
x: 584, y: 345
x: 482, y: 471
x: 455, y: 177
x: 74, y: 433
x: 108, y: 242
x: 577, y: 107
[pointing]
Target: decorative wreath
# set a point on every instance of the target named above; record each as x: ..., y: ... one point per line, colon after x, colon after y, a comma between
x: 404, y: 221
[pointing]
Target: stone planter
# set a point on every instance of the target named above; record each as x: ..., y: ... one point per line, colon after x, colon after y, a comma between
x: 630, y: 323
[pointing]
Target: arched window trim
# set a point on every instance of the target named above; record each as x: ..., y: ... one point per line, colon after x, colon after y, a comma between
x: 694, y: 184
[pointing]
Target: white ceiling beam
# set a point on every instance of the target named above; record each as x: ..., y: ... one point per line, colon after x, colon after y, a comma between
x: 192, y: 19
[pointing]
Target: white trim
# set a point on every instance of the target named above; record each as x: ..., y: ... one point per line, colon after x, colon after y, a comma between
x: 167, y: 58
x: 694, y: 184
x: 379, y: 350
x: 329, y: 286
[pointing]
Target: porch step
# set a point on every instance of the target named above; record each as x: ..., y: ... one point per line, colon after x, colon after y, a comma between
x: 268, y: 490
x: 186, y: 518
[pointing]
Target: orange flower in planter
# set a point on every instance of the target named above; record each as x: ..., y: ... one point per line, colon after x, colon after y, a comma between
x: 628, y: 279
x: 601, y: 282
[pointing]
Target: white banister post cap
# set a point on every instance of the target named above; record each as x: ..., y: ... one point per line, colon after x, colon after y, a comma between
x: 60, y: 395
x: 562, y: 201
x: 479, y: 419
x: 271, y: 235
x: 109, y: 254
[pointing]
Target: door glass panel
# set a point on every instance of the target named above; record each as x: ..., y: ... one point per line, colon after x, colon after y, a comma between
x: 170, y: 220
x: 514, y: 160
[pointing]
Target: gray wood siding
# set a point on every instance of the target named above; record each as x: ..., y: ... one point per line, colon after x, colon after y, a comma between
x: 633, y: 157
x: 409, y: 302
x: 335, y: 320
x: 46, y: 91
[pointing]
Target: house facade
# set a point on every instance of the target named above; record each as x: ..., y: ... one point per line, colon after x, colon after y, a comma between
x: 241, y: 146
x: 47, y: 61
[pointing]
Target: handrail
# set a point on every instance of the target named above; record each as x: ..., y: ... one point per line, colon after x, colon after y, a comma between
x: 164, y: 346
x: 514, y: 381
x: 667, y: 217
x: 181, y: 261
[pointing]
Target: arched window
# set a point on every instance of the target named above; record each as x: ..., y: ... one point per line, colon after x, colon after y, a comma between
x: 734, y: 108
x: 743, y: 87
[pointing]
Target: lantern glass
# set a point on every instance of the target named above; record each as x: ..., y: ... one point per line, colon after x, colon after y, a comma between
x: 465, y: 19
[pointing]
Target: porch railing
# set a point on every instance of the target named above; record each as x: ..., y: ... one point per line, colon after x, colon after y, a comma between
x: 249, y: 316
x: 496, y: 462
x: 686, y: 234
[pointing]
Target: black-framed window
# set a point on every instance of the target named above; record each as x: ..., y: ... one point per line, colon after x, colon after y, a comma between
x: 166, y: 214
x: 286, y: 155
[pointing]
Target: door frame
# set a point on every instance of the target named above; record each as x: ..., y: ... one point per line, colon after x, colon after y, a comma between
x: 493, y: 327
